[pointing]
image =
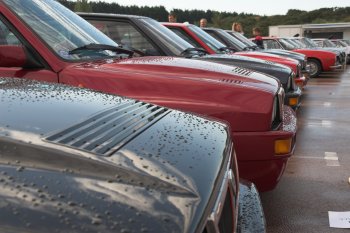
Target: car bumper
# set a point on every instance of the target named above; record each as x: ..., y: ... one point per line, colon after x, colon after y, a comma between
x: 292, y: 99
x: 266, y: 168
x: 336, y: 67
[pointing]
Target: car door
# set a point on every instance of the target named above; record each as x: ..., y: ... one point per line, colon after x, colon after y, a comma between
x: 19, y: 59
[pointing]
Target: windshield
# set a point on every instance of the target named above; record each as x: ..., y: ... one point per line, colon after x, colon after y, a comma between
x: 243, y: 39
x: 208, y: 39
x: 172, y: 41
x: 310, y: 43
x: 233, y: 40
x: 297, y: 42
x: 287, y: 44
x: 342, y: 43
x: 61, y: 29
x: 347, y: 42
x: 329, y: 43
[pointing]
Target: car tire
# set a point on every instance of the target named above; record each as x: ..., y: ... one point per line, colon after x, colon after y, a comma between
x: 315, y: 67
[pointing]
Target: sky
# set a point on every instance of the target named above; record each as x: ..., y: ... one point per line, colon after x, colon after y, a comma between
x: 260, y: 7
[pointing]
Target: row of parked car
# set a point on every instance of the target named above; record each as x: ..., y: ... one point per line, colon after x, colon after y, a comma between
x: 131, y: 125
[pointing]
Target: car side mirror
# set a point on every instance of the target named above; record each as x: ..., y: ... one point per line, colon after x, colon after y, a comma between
x: 12, y: 56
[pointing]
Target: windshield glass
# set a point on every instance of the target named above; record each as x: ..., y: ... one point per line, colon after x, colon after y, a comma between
x: 347, y: 42
x: 310, y: 42
x: 242, y: 38
x: 233, y: 40
x: 329, y: 43
x: 172, y: 41
x: 208, y: 39
x: 342, y: 43
x: 61, y: 29
x: 297, y: 42
x: 287, y: 44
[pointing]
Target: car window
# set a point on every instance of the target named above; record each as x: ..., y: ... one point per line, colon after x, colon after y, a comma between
x: 61, y: 29
x: 185, y: 36
x: 271, y: 44
x: 318, y: 43
x: 126, y: 35
x: 7, y: 37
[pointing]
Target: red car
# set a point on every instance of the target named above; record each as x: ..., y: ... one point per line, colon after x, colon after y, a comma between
x: 319, y: 60
x: 46, y: 41
x: 199, y: 38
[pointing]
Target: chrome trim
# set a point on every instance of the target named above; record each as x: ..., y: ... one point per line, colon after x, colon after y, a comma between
x: 335, y: 66
x: 229, y: 186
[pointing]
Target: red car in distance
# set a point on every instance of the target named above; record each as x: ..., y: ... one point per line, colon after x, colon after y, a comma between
x: 199, y: 38
x: 43, y: 40
x: 319, y: 60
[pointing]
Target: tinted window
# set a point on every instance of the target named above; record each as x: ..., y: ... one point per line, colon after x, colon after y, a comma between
x: 126, y: 35
x: 185, y: 36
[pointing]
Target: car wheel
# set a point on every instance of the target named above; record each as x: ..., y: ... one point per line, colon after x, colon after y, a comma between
x: 315, y: 67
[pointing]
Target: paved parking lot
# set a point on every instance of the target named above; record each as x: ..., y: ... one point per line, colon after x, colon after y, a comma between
x: 316, y: 179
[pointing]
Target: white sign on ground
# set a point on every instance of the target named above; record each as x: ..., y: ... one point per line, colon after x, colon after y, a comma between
x: 339, y: 219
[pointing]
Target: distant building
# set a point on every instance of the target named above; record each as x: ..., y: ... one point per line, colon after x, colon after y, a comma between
x: 325, y: 30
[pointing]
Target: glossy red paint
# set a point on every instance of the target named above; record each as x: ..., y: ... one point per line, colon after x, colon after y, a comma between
x: 326, y: 58
x: 205, y: 88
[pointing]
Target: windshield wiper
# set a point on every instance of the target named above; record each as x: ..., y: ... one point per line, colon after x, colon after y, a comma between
x: 99, y: 47
x: 189, y: 50
x: 227, y: 49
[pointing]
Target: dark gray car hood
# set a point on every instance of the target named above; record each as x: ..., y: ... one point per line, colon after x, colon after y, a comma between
x: 159, y: 179
x: 275, y: 70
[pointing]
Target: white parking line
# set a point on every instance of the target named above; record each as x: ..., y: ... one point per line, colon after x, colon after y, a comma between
x: 322, y: 123
x: 327, y: 104
x: 332, y: 159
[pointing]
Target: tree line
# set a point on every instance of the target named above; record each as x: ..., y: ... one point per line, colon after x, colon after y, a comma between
x: 215, y: 18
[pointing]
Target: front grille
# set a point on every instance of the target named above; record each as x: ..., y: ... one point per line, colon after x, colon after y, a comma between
x: 223, y: 216
x: 106, y: 132
x: 226, y: 218
x: 242, y: 71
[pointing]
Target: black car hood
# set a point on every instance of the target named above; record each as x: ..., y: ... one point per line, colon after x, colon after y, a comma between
x: 290, y: 54
x: 157, y: 179
x: 280, y: 72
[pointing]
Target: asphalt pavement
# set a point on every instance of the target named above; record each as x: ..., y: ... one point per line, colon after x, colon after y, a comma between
x: 317, y: 176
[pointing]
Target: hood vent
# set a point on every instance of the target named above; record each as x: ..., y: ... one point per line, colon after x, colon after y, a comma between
x: 242, y: 71
x: 270, y: 63
x: 231, y: 81
x: 106, y: 132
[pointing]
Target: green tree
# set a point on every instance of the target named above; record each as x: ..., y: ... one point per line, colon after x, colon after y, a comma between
x: 82, y: 6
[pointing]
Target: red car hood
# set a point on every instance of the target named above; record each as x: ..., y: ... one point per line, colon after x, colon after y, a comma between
x: 272, y: 57
x: 173, y: 67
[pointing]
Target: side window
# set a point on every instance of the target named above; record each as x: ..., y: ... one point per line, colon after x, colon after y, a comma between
x: 7, y: 37
x: 126, y: 35
x: 186, y: 37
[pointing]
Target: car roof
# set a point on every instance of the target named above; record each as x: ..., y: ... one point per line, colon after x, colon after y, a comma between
x: 111, y: 15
